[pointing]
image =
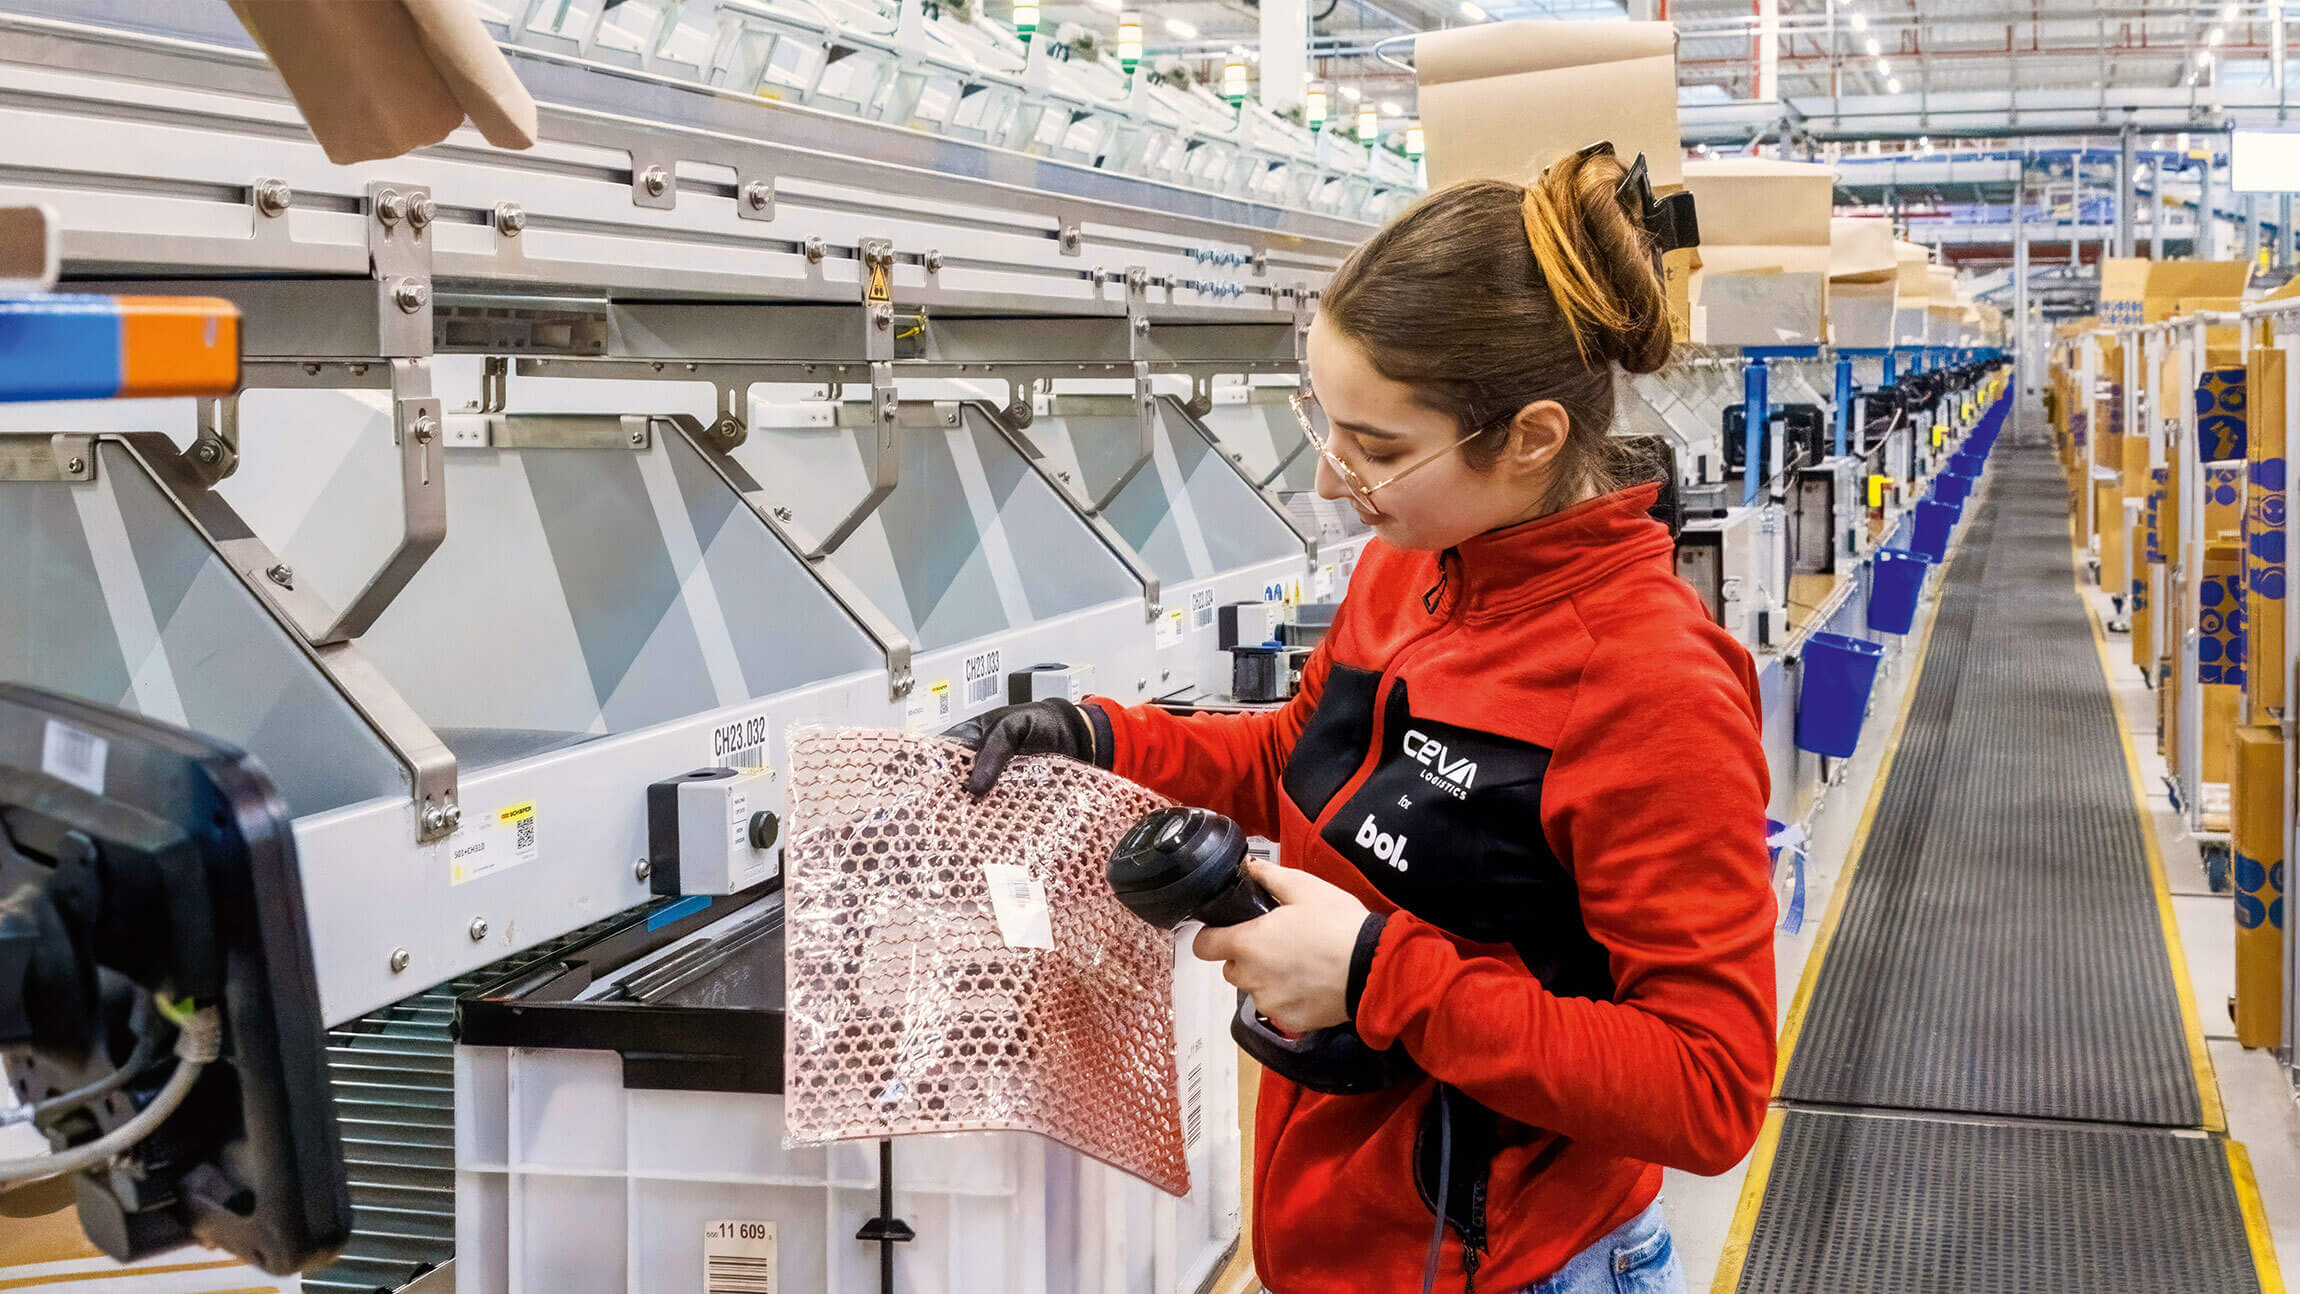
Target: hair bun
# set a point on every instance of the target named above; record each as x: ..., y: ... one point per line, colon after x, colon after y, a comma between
x: 1597, y: 263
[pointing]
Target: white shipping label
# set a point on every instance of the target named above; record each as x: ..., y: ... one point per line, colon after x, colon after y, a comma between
x: 1202, y: 609
x: 740, y: 743
x: 497, y: 842
x: 70, y: 755
x: 931, y: 709
x: 1018, y: 902
x: 1323, y: 582
x: 1167, y: 631
x: 738, y: 1258
x: 985, y: 677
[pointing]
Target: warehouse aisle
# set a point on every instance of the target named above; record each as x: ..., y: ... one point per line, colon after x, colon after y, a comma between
x: 1993, y: 1075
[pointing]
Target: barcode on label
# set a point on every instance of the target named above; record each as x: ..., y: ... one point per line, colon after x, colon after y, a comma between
x: 70, y: 755
x: 732, y: 1275
x: 1193, y: 1105
x: 526, y: 837
x: 1202, y: 609
x: 984, y: 675
x: 739, y: 1258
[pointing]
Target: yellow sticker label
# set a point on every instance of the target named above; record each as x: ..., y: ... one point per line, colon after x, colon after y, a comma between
x: 1940, y: 433
x: 1877, y: 490
x: 516, y: 812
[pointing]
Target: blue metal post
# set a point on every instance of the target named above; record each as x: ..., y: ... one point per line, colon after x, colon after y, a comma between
x: 1844, y: 401
x: 1754, y: 412
x: 1889, y: 379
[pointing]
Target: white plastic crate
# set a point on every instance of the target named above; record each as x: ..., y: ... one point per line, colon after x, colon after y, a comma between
x: 568, y: 1183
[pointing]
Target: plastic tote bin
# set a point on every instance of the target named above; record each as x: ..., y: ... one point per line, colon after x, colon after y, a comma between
x: 1834, y: 676
x: 1952, y: 486
x: 1930, y: 536
x: 1896, y: 579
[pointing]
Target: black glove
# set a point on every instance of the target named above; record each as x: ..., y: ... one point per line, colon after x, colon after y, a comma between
x: 1049, y: 727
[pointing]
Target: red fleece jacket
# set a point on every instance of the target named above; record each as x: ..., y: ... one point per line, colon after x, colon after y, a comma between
x: 1540, y: 761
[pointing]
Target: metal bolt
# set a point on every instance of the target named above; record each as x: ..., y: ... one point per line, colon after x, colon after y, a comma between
x: 757, y: 194
x: 1141, y: 685
x: 273, y: 196
x: 933, y: 261
x: 1100, y: 276
x: 1072, y: 238
x: 207, y: 451
x: 426, y: 427
x: 816, y: 250
x: 412, y: 295
x: 654, y: 181
x: 435, y: 819
x: 510, y: 218
x: 421, y: 210
x: 1141, y: 325
x: 882, y: 317
x: 281, y: 575
x: 76, y: 466
x: 399, y: 960
x: 642, y: 869
x: 390, y: 206
x: 638, y: 439
x: 454, y: 816
x: 478, y: 929
x: 782, y: 514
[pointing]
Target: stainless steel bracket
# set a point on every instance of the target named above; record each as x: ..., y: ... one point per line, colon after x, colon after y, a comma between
x: 423, y: 512
x: 1153, y: 594
x: 1145, y: 399
x: 778, y: 519
x: 38, y: 456
x: 547, y: 431
x: 399, y: 218
x: 886, y: 404
x: 214, y: 453
x: 430, y: 766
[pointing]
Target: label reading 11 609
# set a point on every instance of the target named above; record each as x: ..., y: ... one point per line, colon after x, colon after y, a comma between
x: 738, y: 1258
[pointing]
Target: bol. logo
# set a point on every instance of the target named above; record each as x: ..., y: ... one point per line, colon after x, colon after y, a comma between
x: 1386, y: 847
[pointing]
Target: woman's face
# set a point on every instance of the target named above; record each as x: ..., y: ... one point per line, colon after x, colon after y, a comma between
x: 1379, y: 428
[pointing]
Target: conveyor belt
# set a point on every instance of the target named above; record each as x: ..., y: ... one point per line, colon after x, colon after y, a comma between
x: 2000, y: 950
x: 1992, y: 1080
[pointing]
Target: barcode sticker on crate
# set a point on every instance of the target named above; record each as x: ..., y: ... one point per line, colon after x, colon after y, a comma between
x: 1018, y: 902
x: 985, y: 677
x: 1202, y: 610
x: 1194, y: 1098
x: 482, y: 847
x: 739, y: 1258
x: 740, y: 743
x: 70, y: 755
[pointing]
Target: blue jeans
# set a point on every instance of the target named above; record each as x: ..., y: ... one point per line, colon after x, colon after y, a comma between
x: 1636, y: 1258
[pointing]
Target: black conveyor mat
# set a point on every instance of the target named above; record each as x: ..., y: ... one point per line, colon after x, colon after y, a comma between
x: 1893, y: 1204
x: 2000, y: 950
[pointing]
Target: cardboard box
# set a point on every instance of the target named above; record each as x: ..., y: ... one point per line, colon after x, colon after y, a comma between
x: 2256, y: 838
x: 2263, y: 530
x: 2220, y: 413
x: 2141, y: 291
x: 1864, y: 281
x: 1911, y: 293
x: 2108, y: 516
x: 1764, y: 277
x: 2223, y: 509
x: 1481, y: 85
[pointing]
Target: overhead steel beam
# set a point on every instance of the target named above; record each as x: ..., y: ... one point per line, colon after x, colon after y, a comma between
x: 2026, y: 112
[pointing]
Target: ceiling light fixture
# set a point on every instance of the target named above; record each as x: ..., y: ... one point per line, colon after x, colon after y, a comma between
x: 1873, y: 47
x: 1884, y: 67
x: 1892, y: 85
x: 1470, y: 11
x: 1390, y: 108
x: 1180, y: 30
x: 1350, y: 92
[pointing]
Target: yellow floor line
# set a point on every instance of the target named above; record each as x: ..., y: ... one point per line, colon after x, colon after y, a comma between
x: 2256, y: 1230
x: 2215, y: 1115
x: 1736, y: 1253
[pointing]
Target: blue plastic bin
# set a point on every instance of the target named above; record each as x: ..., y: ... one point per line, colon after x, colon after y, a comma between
x: 1834, y: 676
x: 1952, y: 486
x: 1896, y: 579
x: 1935, y: 520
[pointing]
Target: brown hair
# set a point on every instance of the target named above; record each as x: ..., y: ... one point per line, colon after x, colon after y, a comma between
x: 1488, y: 296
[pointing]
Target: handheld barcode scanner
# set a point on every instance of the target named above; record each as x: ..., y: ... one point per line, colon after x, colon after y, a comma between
x: 1181, y: 864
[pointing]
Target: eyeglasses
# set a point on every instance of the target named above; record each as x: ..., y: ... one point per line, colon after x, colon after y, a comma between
x: 1320, y: 434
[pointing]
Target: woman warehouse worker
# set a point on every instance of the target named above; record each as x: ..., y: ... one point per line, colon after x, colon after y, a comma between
x: 1519, y: 797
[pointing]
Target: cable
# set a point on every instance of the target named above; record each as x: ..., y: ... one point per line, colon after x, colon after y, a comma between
x: 1445, y: 1179
x: 199, y: 1043
x: 41, y: 1113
